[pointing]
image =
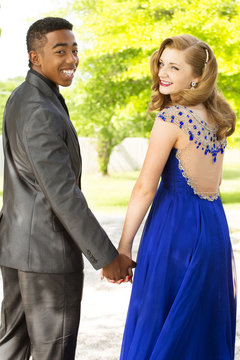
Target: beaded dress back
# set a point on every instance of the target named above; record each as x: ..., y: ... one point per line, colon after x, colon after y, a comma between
x: 183, y: 301
x: 200, y: 162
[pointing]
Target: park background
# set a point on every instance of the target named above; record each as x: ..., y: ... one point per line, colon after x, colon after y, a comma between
x: 107, y: 104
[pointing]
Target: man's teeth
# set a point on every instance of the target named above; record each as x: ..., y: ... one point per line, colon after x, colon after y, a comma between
x: 68, y: 72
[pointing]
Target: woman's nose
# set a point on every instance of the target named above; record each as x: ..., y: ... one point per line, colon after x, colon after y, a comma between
x: 161, y: 72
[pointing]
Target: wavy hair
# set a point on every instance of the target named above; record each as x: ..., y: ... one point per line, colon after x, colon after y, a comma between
x: 201, y: 58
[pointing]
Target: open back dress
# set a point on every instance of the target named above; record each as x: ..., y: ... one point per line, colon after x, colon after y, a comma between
x: 183, y: 301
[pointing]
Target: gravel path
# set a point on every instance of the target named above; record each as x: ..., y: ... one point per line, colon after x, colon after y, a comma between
x: 104, y: 305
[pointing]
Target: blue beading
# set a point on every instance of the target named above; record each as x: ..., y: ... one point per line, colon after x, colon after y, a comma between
x: 197, y: 129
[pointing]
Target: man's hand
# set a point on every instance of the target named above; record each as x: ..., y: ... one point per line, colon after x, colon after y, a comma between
x: 118, y: 268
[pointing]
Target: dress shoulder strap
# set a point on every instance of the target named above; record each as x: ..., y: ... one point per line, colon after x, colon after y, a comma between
x: 197, y: 130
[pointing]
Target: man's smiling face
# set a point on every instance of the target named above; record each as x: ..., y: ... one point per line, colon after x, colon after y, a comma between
x: 57, y: 59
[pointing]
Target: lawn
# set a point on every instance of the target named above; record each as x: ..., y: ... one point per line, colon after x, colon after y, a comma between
x: 110, y: 194
x: 230, y: 188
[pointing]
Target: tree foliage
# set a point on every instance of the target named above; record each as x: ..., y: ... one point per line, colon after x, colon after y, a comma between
x: 110, y: 96
x: 113, y: 90
x: 6, y: 88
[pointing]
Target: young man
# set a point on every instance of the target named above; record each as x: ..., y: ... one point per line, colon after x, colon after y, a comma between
x: 46, y: 224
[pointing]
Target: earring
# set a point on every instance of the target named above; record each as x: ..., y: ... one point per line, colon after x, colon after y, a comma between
x: 193, y: 85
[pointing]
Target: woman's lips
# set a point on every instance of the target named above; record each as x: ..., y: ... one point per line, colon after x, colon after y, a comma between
x: 165, y: 83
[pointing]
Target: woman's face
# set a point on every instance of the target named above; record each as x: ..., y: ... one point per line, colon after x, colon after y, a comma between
x: 174, y: 73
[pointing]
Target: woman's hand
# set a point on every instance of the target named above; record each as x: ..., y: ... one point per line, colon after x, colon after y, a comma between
x: 128, y: 278
x: 128, y: 253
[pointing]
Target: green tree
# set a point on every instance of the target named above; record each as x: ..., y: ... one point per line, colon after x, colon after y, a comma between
x: 107, y: 106
x: 113, y: 90
x: 6, y: 88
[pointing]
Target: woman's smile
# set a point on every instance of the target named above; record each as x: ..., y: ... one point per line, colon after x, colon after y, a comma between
x: 165, y: 83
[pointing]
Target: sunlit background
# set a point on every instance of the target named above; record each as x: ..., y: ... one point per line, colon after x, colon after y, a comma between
x: 15, y: 18
x: 108, y: 103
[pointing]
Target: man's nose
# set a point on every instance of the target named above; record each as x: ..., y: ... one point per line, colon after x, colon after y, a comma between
x: 72, y: 58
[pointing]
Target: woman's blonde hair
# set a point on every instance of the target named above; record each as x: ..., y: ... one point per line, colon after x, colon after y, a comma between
x: 204, y: 65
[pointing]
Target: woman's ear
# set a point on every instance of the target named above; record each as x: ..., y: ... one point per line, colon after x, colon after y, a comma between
x: 196, y: 79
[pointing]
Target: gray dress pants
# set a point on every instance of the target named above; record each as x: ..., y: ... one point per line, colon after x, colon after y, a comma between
x: 40, y: 315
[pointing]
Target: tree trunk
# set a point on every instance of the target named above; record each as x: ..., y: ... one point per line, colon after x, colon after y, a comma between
x: 104, y: 149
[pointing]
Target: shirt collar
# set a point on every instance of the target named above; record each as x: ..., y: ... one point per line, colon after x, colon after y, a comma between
x: 49, y: 82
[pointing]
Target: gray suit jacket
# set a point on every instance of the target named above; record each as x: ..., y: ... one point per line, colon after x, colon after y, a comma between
x: 45, y: 222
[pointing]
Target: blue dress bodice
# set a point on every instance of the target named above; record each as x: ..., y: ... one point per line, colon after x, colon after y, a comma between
x: 172, y: 177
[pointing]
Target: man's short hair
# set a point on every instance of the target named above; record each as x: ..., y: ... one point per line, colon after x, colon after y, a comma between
x: 36, y: 35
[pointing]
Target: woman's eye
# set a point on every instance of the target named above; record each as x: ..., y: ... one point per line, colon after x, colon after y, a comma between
x: 174, y: 68
x: 160, y: 63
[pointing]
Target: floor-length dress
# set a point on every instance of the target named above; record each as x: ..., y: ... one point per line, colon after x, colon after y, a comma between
x: 183, y: 301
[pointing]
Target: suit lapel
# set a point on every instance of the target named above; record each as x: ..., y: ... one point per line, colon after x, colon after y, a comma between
x: 68, y: 121
x: 73, y: 135
x: 47, y: 91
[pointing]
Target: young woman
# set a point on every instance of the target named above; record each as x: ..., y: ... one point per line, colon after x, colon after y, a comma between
x: 183, y: 302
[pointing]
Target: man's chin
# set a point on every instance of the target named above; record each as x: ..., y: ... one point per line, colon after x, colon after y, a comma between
x: 65, y: 83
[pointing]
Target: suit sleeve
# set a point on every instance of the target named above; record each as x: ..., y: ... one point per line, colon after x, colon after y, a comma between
x: 48, y: 154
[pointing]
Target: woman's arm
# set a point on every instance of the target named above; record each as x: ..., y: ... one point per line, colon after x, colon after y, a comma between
x: 163, y: 137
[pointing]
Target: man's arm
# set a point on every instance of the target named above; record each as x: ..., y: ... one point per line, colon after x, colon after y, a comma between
x: 43, y: 138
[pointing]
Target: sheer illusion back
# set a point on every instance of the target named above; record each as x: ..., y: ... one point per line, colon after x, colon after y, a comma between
x: 183, y: 301
x: 201, y: 160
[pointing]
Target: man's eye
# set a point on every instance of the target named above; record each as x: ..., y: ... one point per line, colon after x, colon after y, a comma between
x: 60, y: 52
x: 75, y: 52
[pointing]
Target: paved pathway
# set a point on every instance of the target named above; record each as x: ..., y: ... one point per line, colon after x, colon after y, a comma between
x: 104, y: 305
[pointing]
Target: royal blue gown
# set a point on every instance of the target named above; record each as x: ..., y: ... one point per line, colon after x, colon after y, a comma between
x: 183, y: 301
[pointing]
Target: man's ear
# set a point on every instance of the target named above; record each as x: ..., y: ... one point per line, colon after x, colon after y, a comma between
x: 34, y: 57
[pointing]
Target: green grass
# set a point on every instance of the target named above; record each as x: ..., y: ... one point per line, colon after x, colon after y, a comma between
x: 230, y: 188
x: 111, y: 194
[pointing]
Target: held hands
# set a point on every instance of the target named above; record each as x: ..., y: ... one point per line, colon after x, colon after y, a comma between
x: 119, y: 270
